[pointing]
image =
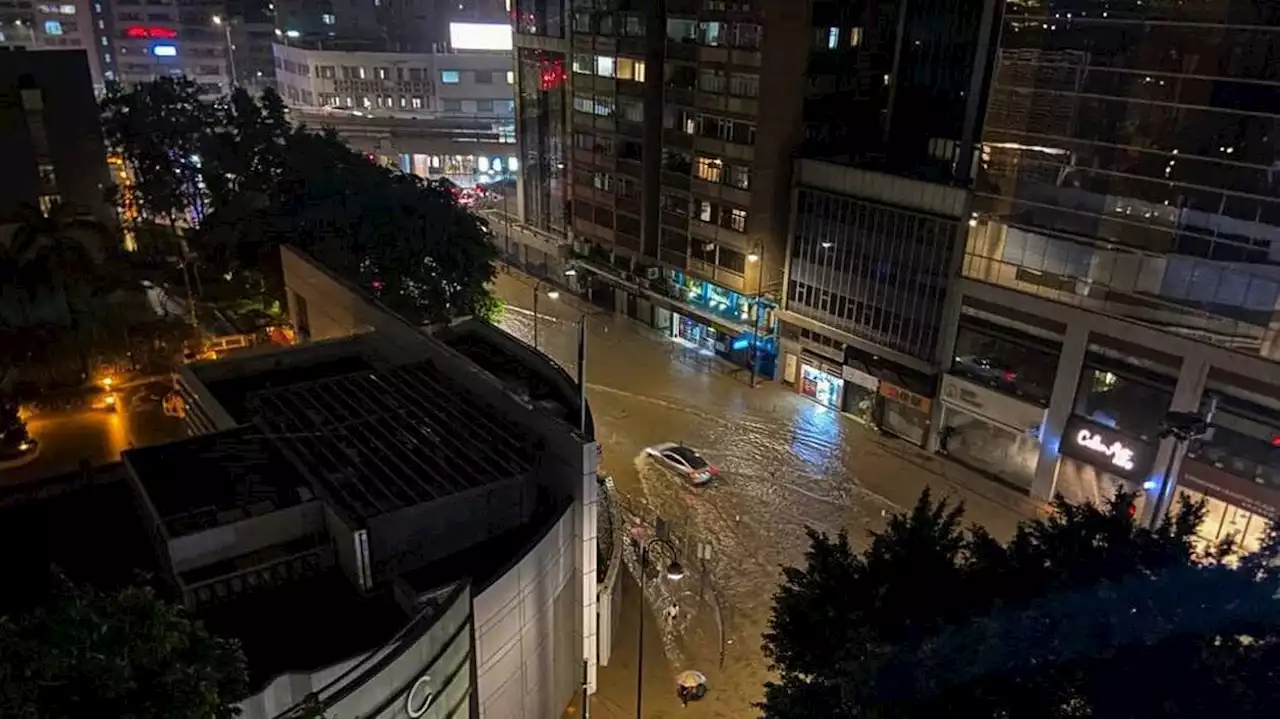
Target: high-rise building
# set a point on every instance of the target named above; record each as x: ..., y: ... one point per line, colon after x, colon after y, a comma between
x: 645, y: 134
x: 1122, y: 258
x: 141, y: 42
x: 51, y: 26
x: 54, y: 152
x: 665, y: 144
x: 880, y: 203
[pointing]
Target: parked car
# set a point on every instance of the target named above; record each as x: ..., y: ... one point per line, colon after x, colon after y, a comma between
x: 683, y: 461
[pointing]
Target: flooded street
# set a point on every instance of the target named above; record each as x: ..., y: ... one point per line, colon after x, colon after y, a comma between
x: 786, y: 463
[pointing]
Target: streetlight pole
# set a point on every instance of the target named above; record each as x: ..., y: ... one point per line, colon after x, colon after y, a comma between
x: 758, y: 260
x: 231, y: 48
x: 1182, y: 427
x: 674, y: 571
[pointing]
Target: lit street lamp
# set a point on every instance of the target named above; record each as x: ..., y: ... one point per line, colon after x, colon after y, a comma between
x: 231, y: 48
x: 674, y: 571
x: 754, y: 258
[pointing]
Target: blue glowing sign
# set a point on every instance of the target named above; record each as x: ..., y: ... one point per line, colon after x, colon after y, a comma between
x: 164, y: 50
x: 741, y: 343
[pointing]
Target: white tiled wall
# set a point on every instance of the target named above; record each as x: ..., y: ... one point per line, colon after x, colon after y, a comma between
x: 528, y: 649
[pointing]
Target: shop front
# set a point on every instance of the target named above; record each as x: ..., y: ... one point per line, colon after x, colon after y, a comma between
x: 1234, y: 506
x: 990, y: 431
x: 1097, y: 460
x: 821, y: 381
x: 753, y: 315
x: 904, y: 413
x: 860, y: 392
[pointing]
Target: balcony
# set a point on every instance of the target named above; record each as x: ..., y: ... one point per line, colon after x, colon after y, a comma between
x: 678, y: 181
x: 679, y: 96
x: 676, y: 138
x: 679, y: 50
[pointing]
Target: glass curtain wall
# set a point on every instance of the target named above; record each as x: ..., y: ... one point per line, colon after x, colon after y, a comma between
x: 1128, y: 164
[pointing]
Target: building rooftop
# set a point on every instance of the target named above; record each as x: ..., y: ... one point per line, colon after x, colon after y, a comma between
x: 203, y: 482
x: 233, y: 392
x: 379, y: 441
x: 304, y: 625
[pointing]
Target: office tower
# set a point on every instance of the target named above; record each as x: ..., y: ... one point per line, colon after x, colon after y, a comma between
x: 1121, y: 259
x: 894, y: 102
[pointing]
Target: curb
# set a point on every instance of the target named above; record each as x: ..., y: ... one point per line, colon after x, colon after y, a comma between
x: 20, y: 461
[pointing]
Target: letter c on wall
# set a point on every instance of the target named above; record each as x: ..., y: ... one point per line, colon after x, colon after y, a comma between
x: 419, y: 698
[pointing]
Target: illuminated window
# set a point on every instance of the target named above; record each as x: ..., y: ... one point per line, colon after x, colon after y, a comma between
x: 328, y: 18
x: 855, y: 37
x: 582, y: 64
x: 709, y: 169
x: 450, y: 77
x: 738, y: 220
x: 604, y: 66
x: 416, y: 102
x: 833, y: 38
x: 511, y: 77
x: 705, y: 211
x: 52, y: 27
x: 740, y: 177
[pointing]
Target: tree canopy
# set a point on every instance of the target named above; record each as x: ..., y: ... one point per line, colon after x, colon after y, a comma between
x: 245, y: 180
x: 126, y: 653
x: 1081, y: 614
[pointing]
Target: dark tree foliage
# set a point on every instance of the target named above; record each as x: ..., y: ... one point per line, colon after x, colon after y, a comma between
x: 1081, y: 614
x: 126, y: 653
x: 261, y: 183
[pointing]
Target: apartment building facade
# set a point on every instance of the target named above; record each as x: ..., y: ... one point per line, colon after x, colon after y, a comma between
x: 27, y: 25
x: 644, y: 136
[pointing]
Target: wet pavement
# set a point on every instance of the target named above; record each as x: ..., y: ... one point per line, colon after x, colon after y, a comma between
x: 96, y: 435
x: 785, y: 463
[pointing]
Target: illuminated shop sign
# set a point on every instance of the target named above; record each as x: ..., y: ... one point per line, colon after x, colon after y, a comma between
x: 1107, y: 449
x: 139, y: 32
x: 164, y: 50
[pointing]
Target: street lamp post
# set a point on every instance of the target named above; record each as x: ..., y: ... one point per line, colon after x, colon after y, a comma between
x: 758, y: 260
x: 674, y: 571
x: 553, y: 294
x: 1182, y: 427
x: 231, y: 48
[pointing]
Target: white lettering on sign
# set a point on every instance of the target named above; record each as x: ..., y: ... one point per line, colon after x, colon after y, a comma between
x: 419, y: 699
x: 1121, y: 456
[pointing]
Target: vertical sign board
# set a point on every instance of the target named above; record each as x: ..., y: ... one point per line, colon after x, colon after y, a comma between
x: 1107, y: 449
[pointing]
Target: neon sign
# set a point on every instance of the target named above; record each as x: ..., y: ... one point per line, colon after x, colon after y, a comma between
x: 1120, y: 455
x: 138, y: 32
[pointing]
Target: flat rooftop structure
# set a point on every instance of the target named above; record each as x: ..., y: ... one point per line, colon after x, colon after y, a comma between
x: 233, y: 392
x: 378, y: 441
x: 215, y: 479
x: 304, y: 625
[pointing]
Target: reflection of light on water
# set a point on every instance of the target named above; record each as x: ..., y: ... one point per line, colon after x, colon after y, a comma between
x: 117, y: 433
x: 815, y: 433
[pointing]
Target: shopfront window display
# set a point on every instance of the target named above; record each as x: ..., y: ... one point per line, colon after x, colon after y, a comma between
x: 724, y: 303
x: 1021, y: 369
x: 1221, y: 520
x: 973, y: 441
x: 1135, y: 407
x: 821, y: 386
